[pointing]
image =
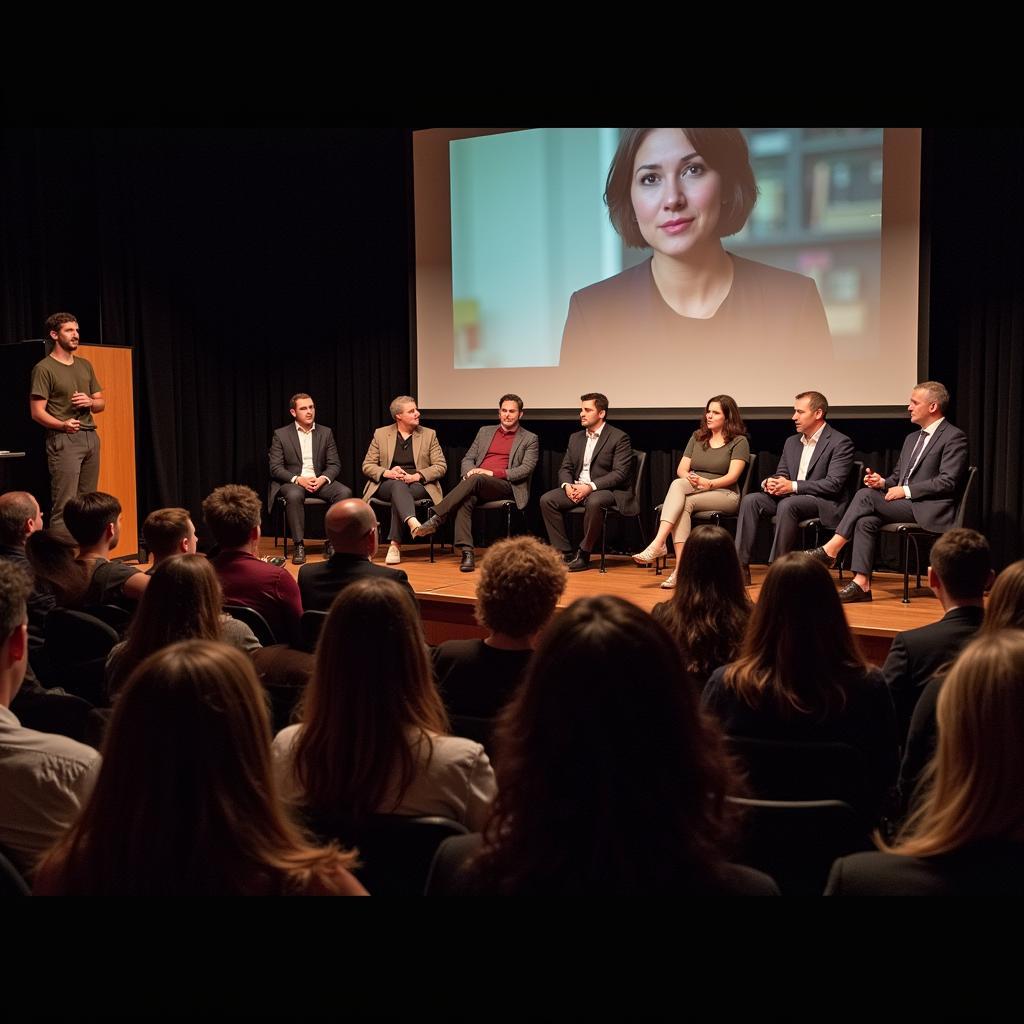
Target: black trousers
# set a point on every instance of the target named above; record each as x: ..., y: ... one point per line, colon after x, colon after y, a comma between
x: 464, y: 497
x: 555, y: 504
x: 864, y: 518
x: 295, y: 508
x: 790, y: 508
x: 403, y: 498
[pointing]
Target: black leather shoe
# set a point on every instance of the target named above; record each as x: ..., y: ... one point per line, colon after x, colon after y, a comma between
x: 745, y: 570
x: 581, y: 562
x: 821, y: 555
x: 299, y: 555
x: 269, y: 559
x: 852, y: 593
x: 328, y: 550
x: 429, y: 527
x: 468, y: 563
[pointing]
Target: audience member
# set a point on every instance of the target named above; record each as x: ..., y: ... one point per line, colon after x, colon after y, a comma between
x: 169, y: 532
x: 19, y: 519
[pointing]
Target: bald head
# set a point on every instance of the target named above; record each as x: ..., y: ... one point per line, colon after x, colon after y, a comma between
x: 19, y: 516
x: 352, y: 527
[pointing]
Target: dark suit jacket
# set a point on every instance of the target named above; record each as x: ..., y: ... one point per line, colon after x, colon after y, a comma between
x: 610, y: 468
x: 286, y: 457
x: 935, y: 485
x: 522, y: 460
x: 319, y: 583
x: 917, y: 654
x: 826, y: 475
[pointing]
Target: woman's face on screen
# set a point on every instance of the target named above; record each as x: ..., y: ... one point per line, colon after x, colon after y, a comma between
x: 677, y: 198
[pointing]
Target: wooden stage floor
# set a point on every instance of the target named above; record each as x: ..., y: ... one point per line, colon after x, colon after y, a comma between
x: 446, y: 595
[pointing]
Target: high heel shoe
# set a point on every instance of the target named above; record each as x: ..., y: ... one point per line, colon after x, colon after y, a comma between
x: 650, y: 554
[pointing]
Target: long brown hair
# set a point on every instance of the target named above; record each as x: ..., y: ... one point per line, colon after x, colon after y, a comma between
x: 185, y: 802
x: 53, y: 562
x: 797, y: 627
x: 1005, y: 608
x: 370, y: 707
x: 732, y: 428
x: 610, y: 778
x: 182, y: 602
x: 710, y: 609
x: 974, y: 782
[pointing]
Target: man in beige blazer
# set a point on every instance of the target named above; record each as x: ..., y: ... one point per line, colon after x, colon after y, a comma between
x: 402, y: 465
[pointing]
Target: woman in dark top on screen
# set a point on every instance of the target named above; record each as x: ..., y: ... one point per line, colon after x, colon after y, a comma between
x: 611, y: 781
x: 693, y: 309
x: 800, y: 677
x: 710, y: 609
x: 967, y: 836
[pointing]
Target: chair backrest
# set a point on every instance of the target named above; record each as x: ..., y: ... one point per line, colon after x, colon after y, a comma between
x: 310, y: 625
x: 446, y: 868
x: 852, y: 483
x: 961, y: 508
x: 748, y: 475
x: 254, y: 620
x: 396, y: 851
x: 11, y: 881
x: 112, y: 614
x: 637, y: 474
x: 796, y: 842
x: 74, y: 637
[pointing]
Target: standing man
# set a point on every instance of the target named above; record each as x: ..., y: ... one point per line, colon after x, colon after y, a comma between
x: 807, y: 484
x: 64, y: 395
x: 304, y: 464
x: 922, y: 489
x: 498, y: 465
x: 594, y: 474
x: 402, y: 465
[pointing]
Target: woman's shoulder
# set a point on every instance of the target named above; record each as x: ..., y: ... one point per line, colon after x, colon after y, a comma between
x: 754, y: 274
x: 455, y: 751
x: 286, y: 738
x: 629, y: 281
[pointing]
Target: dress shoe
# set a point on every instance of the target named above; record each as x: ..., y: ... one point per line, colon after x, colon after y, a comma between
x: 581, y: 562
x: 328, y: 550
x: 394, y: 555
x: 745, y: 572
x: 852, y: 593
x: 468, y: 564
x: 650, y: 554
x: 821, y: 555
x: 427, y: 528
x: 299, y: 555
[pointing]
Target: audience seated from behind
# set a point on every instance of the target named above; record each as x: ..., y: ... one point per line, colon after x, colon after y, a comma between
x: 183, y: 602
x: 19, y: 519
x: 966, y: 837
x: 233, y: 513
x: 521, y: 581
x: 1005, y: 611
x: 94, y: 521
x: 169, y: 532
x: 43, y: 778
x: 186, y: 803
x: 352, y: 531
x: 612, y: 780
x: 959, y: 574
x: 709, y: 609
x: 372, y: 738
x: 800, y: 677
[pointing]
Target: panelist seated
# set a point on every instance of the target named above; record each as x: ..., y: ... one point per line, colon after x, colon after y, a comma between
x: 594, y: 475
x: 304, y: 464
x: 402, y: 465
x: 807, y: 483
x: 922, y: 489
x: 709, y: 473
x: 498, y: 465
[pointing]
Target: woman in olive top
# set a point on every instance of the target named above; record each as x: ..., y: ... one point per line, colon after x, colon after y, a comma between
x: 709, y: 474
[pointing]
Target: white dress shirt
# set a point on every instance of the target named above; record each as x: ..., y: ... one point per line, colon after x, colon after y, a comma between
x: 810, y: 444
x: 593, y: 436
x: 929, y: 433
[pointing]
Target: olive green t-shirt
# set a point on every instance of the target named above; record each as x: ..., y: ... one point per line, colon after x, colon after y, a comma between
x: 712, y: 463
x: 57, y: 382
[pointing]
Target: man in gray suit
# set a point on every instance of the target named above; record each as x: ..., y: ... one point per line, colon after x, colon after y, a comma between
x: 304, y: 464
x: 498, y: 465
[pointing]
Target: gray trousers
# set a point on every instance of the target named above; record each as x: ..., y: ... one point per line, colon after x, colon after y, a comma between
x: 74, y: 461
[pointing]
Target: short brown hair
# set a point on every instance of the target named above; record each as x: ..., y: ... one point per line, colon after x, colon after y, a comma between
x: 962, y: 559
x: 231, y: 512
x: 521, y: 580
x: 14, y: 590
x: 600, y: 401
x: 815, y: 401
x: 87, y: 515
x: 938, y: 392
x: 16, y: 509
x: 55, y: 321
x: 295, y: 398
x: 510, y: 398
x: 165, y: 529
x: 724, y: 149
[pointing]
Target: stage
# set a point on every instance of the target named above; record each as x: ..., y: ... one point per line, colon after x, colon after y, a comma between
x: 446, y: 596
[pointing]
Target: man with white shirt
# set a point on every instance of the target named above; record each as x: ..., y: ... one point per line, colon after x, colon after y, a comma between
x: 594, y: 474
x: 922, y: 489
x: 44, y: 778
x: 304, y: 464
x: 808, y: 482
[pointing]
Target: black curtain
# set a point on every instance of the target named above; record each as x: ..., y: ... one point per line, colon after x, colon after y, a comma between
x: 246, y: 260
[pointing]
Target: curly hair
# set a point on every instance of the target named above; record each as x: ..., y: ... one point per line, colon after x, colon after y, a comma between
x: 521, y: 580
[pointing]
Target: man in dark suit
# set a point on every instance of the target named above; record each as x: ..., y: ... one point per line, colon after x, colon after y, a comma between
x: 498, y: 465
x: 304, y: 464
x: 922, y: 489
x: 352, y: 530
x: 594, y: 474
x: 808, y: 482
